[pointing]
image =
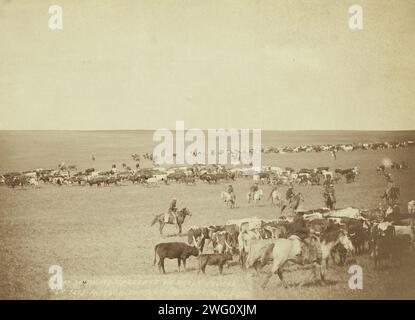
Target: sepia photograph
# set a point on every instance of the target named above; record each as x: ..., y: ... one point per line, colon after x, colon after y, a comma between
x: 207, y: 150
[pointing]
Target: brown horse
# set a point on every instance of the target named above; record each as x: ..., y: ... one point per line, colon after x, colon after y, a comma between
x: 293, y: 203
x: 391, y: 195
x: 329, y: 200
x: 181, y: 216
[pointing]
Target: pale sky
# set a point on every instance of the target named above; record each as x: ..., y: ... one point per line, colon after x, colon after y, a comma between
x: 276, y: 65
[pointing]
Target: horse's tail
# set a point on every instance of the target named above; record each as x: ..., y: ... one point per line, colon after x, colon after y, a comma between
x: 155, y: 252
x: 154, y: 220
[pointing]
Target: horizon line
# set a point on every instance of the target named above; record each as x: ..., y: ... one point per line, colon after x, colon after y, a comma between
x: 273, y: 130
x: 264, y: 130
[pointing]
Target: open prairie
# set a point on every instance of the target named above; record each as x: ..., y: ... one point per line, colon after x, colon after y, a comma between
x: 101, y: 236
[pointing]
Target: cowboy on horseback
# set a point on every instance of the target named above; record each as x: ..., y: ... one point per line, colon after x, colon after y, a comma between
x: 275, y: 197
x: 389, y: 178
x: 290, y: 193
x: 274, y: 188
x: 298, y: 226
x: 391, y: 194
x: 292, y: 200
x: 254, y: 188
x: 307, y: 248
x: 231, y: 193
x: 171, y: 211
x: 327, y: 182
x: 329, y: 194
x: 230, y: 190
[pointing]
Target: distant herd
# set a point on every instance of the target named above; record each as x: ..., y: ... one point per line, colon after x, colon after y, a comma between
x: 189, y: 175
x: 342, y: 147
x: 69, y: 174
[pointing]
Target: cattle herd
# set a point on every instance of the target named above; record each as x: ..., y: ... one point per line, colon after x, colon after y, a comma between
x: 68, y: 175
x: 334, y: 236
x: 337, y: 236
x: 341, y: 147
x: 186, y: 175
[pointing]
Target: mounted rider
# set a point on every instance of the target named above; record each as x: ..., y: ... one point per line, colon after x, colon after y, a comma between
x: 329, y: 192
x: 231, y: 192
x: 389, y: 178
x: 327, y: 182
x: 254, y: 188
x: 230, y: 189
x: 171, y: 211
x: 274, y: 188
x: 290, y: 193
x: 307, y: 247
x: 390, y: 182
x: 298, y: 226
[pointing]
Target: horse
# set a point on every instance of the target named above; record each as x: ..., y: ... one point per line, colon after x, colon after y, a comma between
x: 293, y: 203
x: 316, y: 253
x: 230, y: 199
x: 181, y: 216
x: 256, y: 196
x: 330, y: 200
x: 391, y: 195
x: 276, y: 199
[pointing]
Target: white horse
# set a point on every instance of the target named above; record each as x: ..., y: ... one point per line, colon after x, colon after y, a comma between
x: 229, y: 199
x: 276, y: 198
x: 256, y: 196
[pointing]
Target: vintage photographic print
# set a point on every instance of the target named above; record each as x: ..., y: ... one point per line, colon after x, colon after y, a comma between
x: 200, y: 150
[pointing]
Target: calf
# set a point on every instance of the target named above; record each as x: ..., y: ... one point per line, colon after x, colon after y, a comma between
x: 213, y: 259
x: 173, y: 250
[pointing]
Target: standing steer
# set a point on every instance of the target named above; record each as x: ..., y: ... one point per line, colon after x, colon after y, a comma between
x: 173, y: 250
x: 213, y: 259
